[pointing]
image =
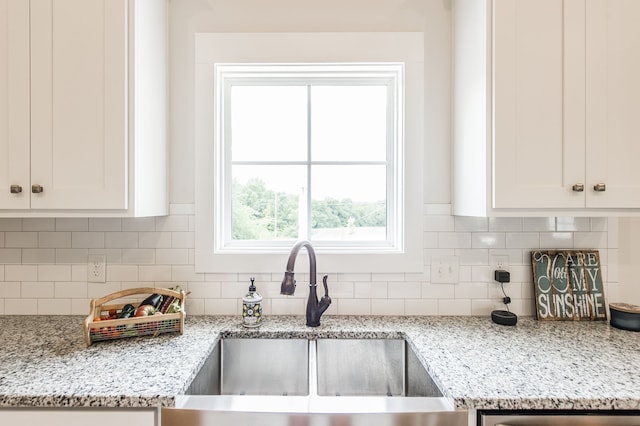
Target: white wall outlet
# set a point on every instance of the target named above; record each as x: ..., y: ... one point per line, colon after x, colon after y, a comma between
x: 499, y: 262
x: 97, y: 268
x: 445, y: 269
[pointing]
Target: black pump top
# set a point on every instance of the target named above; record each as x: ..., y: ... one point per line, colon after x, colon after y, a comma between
x: 252, y: 287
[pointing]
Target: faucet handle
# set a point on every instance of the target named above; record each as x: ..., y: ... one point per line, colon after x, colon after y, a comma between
x: 326, y: 288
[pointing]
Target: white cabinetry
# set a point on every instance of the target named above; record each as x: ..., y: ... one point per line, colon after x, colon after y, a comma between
x: 79, y: 416
x: 83, y: 108
x: 546, y: 107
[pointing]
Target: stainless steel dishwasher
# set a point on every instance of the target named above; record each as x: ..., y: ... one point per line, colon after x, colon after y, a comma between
x: 556, y: 418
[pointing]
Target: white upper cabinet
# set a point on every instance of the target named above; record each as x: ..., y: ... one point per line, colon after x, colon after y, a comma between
x: 83, y: 124
x: 546, y: 107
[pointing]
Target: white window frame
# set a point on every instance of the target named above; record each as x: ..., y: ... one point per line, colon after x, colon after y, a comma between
x: 308, y: 48
x: 390, y: 76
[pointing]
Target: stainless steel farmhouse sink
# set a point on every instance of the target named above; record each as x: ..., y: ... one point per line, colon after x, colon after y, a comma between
x: 312, y: 382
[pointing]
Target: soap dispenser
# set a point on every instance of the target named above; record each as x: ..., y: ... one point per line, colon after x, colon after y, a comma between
x: 251, y: 308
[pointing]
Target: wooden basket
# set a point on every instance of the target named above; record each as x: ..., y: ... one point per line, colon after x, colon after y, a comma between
x: 152, y: 325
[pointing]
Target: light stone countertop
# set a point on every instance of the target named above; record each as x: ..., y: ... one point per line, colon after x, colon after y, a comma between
x: 536, y: 365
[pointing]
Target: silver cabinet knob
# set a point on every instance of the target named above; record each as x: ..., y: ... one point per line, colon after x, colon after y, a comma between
x: 578, y: 187
x: 600, y: 187
x: 15, y: 189
x: 37, y: 189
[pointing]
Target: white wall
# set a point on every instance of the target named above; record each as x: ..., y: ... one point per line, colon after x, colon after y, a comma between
x: 43, y: 261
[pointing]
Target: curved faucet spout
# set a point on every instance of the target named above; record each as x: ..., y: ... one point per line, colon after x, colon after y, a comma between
x: 315, y: 309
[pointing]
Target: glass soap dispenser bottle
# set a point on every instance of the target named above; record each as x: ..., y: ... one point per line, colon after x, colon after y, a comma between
x: 251, y: 308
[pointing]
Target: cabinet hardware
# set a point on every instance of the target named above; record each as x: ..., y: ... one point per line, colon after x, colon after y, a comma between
x: 578, y: 187
x: 37, y: 189
x: 16, y: 189
x: 599, y: 187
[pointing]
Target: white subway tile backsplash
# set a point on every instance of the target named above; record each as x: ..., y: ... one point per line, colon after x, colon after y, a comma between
x: 221, y: 306
x: 80, y: 306
x: 538, y: 224
x: 370, y: 290
x: 124, y: 240
x: 405, y: 290
x: 38, y: 224
x: 54, y: 239
x: 454, y: 240
x: 73, y: 256
x: 38, y: 256
x: 54, y: 272
x: 9, y: 290
x: 87, y: 239
x: 54, y: 306
x: 105, y: 224
x: 43, y: 265
x: 471, y: 224
x: 21, y: 272
x: 139, y: 224
x: 573, y: 224
x: 522, y: 240
x: 590, y: 239
x: 454, y: 307
x: 21, y: 239
x: 473, y: 256
x: 471, y: 290
x: 154, y: 273
x: 70, y: 290
x: 421, y: 307
x: 10, y: 224
x: 556, y: 240
x: 10, y: 255
x: 505, y: 224
x: 488, y: 240
x: 354, y: 307
x: 172, y: 256
x: 172, y: 224
x: 185, y: 273
x: 387, y: 307
x: 139, y: 256
x: 72, y: 224
x: 154, y: 240
x: 36, y: 289
x: 122, y: 272
x: 21, y: 306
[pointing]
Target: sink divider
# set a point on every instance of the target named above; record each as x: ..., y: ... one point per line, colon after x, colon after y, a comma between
x: 313, y: 368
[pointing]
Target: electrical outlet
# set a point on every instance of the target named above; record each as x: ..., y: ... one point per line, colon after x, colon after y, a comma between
x: 445, y: 269
x: 499, y: 262
x: 96, y: 268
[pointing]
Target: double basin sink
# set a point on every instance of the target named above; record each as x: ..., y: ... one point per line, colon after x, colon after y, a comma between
x: 312, y: 382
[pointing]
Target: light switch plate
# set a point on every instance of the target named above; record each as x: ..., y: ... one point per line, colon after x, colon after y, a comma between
x: 445, y: 269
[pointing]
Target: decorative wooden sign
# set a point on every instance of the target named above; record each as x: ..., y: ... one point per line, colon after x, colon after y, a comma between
x: 568, y: 285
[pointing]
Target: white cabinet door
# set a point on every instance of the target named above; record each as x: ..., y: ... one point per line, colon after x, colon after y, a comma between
x: 538, y: 83
x: 79, y: 104
x: 78, y: 417
x: 14, y: 104
x: 613, y: 103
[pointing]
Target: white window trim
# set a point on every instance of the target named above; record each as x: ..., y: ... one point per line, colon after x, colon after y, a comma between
x: 216, y: 48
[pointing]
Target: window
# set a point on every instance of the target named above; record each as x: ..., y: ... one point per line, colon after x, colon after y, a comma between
x: 309, y: 136
x: 310, y: 151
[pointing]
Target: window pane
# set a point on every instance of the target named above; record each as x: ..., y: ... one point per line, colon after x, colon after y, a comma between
x: 348, y: 203
x: 269, y: 123
x: 348, y: 123
x: 266, y: 202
